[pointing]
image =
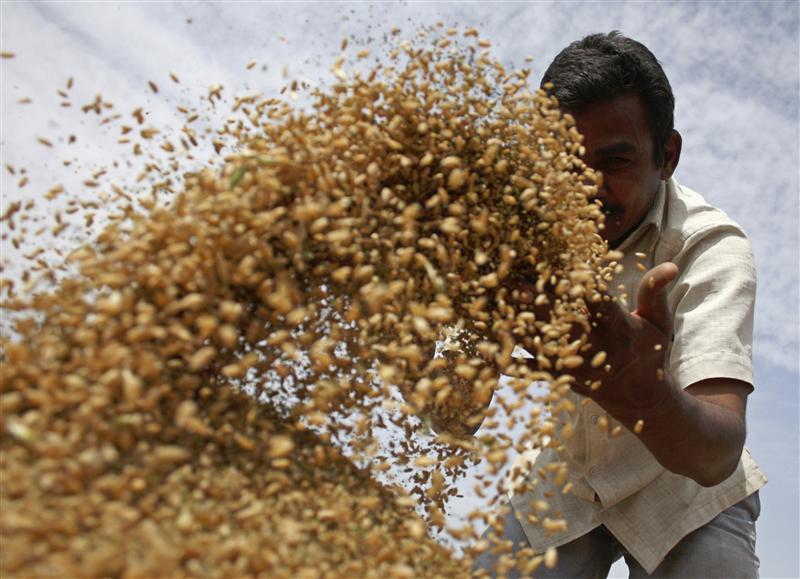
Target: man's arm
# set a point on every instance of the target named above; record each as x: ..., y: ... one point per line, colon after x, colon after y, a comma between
x: 698, y: 432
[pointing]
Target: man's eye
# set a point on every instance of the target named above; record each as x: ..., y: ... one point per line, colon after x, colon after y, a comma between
x: 616, y: 162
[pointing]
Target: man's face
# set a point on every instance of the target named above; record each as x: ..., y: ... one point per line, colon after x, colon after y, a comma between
x: 619, y: 144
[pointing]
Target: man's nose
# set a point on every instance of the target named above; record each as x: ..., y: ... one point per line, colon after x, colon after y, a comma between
x: 601, y: 192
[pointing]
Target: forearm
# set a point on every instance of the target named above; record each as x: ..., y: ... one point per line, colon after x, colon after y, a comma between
x: 689, y: 436
x: 455, y: 394
x: 452, y: 404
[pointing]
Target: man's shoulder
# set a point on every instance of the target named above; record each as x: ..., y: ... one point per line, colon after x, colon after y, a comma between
x: 688, y: 217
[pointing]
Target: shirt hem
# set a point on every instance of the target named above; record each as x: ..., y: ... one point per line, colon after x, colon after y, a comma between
x: 649, y: 558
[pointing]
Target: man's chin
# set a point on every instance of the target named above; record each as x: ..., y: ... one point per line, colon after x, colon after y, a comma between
x: 610, y: 237
x: 613, y: 232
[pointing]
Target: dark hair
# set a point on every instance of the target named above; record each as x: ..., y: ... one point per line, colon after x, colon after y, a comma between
x: 602, y: 66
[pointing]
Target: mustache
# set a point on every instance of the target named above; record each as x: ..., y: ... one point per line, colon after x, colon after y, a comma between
x: 612, y: 210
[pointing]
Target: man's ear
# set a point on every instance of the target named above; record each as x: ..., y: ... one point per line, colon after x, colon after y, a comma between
x: 672, y: 154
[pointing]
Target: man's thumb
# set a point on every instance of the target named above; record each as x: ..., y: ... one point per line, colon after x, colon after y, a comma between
x: 651, y: 303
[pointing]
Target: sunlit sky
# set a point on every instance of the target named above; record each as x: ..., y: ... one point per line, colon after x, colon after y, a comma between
x: 733, y: 68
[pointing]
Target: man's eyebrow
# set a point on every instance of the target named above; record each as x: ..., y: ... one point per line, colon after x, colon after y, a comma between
x: 616, y: 149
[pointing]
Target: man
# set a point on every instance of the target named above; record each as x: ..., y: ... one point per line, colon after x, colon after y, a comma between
x: 676, y: 492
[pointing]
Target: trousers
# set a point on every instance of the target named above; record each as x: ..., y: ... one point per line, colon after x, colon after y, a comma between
x: 724, y: 548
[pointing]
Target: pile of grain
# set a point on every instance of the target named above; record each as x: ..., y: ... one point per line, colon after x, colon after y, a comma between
x: 171, y: 410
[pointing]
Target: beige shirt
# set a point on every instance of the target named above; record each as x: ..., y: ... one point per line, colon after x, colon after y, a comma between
x: 616, y: 480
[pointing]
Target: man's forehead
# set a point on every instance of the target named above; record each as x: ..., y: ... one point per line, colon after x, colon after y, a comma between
x: 614, y: 125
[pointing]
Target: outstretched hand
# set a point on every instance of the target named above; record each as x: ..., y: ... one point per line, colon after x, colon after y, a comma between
x: 632, y: 379
x: 698, y: 432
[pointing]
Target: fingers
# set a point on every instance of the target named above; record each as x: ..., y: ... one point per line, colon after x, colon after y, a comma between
x: 613, y: 320
x: 652, y: 304
x: 610, y: 318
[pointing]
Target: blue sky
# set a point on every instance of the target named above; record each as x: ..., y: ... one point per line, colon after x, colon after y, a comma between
x: 733, y: 68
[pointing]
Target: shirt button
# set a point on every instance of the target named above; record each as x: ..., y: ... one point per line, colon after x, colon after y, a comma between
x: 595, y: 418
x: 593, y: 471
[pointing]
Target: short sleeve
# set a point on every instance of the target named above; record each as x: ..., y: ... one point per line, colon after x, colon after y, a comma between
x: 713, y: 301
